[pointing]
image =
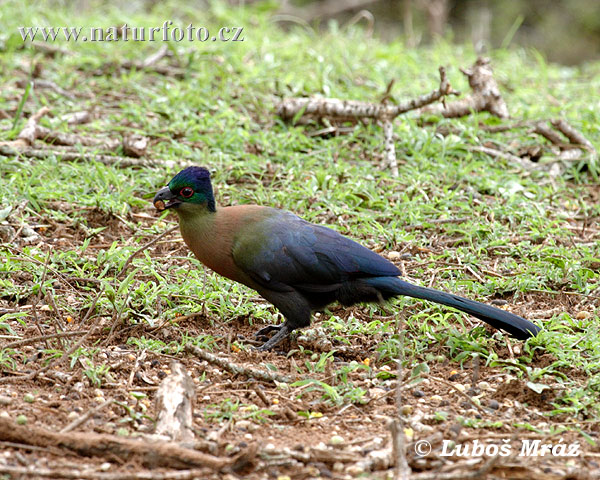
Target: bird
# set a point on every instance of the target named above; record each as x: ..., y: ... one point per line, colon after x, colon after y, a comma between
x: 297, y: 266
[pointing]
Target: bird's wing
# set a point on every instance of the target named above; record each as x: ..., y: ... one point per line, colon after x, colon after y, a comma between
x: 281, y: 251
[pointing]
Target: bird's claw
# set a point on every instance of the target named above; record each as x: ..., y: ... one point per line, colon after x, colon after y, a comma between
x: 281, y: 332
x: 264, y: 332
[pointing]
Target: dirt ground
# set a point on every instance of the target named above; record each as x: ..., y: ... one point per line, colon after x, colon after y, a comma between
x: 264, y: 429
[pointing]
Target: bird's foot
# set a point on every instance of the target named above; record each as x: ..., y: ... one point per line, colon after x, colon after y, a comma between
x: 282, y: 333
x: 264, y: 332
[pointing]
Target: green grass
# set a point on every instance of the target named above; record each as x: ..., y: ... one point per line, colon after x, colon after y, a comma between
x: 515, y: 221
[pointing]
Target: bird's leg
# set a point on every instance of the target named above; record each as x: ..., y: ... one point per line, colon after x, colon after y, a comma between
x: 296, y: 310
x: 282, y: 332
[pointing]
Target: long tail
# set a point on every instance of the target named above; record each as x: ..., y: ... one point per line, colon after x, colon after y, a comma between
x: 517, y: 326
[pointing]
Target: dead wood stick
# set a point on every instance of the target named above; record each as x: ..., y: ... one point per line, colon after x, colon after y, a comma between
x: 467, y: 474
x: 70, y: 139
x: 51, y: 336
x: 136, y: 367
x: 50, y: 85
x: 85, y: 417
x: 50, y: 49
x: 492, y: 152
x: 436, y: 221
x: 77, y: 118
x: 389, y: 147
x: 28, y: 135
x: 545, y: 131
x: 327, y: 8
x: 340, y: 110
x: 175, y: 401
x: 324, y: 455
x: 135, y: 145
x: 572, y: 134
x: 155, y: 57
x: 166, y: 70
x: 152, y: 454
x: 485, y: 95
x: 71, y: 156
x: 504, y: 128
x: 402, y: 469
x: 34, y: 471
x: 238, y: 369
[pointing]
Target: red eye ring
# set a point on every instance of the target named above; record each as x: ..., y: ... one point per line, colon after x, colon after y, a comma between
x: 186, y: 192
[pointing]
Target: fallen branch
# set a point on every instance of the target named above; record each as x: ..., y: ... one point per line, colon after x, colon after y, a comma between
x: 485, y: 96
x: 74, y: 156
x: 30, y: 340
x: 402, y: 469
x: 575, y: 137
x: 548, y: 133
x: 327, y: 8
x: 71, y: 139
x: 148, y: 64
x: 155, y: 57
x: 237, y: 369
x: 494, y: 153
x: 337, y: 110
x: 152, y: 454
x: 77, y: 118
x: 50, y: 85
x: 35, y: 471
x: 134, y: 145
x: 28, y: 135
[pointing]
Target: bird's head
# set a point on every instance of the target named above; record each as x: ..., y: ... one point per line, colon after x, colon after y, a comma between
x: 189, y: 188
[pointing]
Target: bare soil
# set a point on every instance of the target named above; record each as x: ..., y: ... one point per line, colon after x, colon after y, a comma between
x: 293, y: 435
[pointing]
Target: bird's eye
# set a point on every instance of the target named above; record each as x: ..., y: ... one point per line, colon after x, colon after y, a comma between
x: 186, y: 192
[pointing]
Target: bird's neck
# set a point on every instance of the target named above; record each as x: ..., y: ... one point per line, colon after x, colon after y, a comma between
x: 195, y: 220
x: 211, y: 235
x: 203, y: 233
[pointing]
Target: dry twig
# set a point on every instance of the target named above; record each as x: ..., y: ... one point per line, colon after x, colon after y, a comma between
x: 485, y: 95
x: 85, y: 417
x: 28, y: 135
x: 238, y: 369
x: 350, y: 110
x: 38, y: 338
x: 24, y: 144
x: 74, y: 156
x: 461, y: 475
